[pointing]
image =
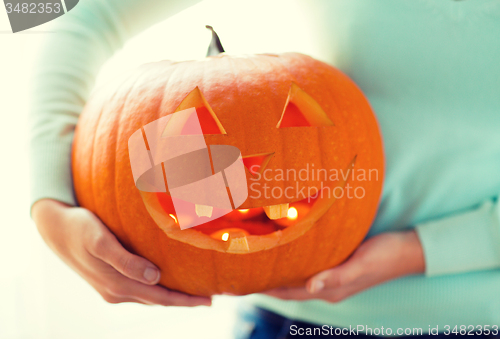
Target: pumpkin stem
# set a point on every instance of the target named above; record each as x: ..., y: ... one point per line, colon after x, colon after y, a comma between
x: 215, y: 46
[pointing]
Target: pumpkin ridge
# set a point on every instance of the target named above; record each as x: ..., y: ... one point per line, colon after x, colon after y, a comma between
x: 120, y: 116
x: 282, y: 145
x: 92, y: 174
x: 91, y: 162
x: 203, y: 85
x: 213, y: 263
x: 167, y: 268
x: 273, y: 266
x: 238, y: 89
x: 159, y: 114
x: 268, y: 87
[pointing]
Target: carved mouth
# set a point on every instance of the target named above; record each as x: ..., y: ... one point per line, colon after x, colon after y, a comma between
x: 249, y: 230
x: 257, y: 221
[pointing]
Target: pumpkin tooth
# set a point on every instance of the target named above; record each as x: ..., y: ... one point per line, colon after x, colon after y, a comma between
x: 203, y: 211
x: 238, y: 245
x: 276, y: 211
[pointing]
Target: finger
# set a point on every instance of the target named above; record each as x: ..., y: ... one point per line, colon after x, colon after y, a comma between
x: 127, y: 288
x: 300, y: 294
x: 334, y: 278
x: 119, y: 300
x: 108, y: 249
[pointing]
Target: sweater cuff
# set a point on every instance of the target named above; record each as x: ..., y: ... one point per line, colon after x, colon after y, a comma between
x: 51, y: 172
x: 466, y: 242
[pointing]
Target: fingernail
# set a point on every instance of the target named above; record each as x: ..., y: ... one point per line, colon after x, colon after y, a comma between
x: 316, y: 286
x: 151, y: 274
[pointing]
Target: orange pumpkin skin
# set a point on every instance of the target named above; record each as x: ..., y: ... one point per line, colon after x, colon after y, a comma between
x: 248, y: 95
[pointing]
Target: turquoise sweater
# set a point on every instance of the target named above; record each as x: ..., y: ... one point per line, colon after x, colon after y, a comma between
x: 431, y: 71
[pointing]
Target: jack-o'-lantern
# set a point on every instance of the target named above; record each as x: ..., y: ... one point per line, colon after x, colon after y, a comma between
x: 313, y: 162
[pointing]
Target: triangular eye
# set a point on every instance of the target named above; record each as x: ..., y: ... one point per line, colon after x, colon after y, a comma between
x: 293, y: 117
x: 209, y: 122
x: 301, y: 110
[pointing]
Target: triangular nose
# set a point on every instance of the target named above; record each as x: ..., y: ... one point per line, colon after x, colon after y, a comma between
x: 257, y: 162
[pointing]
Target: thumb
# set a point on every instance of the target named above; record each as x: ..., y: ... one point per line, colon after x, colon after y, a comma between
x: 109, y: 250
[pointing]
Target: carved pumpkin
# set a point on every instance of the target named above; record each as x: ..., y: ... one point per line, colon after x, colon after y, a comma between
x: 285, y: 113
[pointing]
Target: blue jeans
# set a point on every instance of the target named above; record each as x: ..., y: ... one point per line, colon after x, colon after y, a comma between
x: 257, y: 323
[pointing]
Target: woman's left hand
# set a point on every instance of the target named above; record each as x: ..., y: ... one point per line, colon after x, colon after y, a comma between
x: 379, y: 259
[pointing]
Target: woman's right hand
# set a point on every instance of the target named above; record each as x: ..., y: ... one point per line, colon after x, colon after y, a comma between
x: 83, y: 242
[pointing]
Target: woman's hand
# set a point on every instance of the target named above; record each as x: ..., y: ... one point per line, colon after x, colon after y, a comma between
x: 83, y: 242
x: 381, y: 258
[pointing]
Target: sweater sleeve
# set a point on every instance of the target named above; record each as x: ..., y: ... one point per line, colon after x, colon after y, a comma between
x: 84, y: 39
x: 461, y: 243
